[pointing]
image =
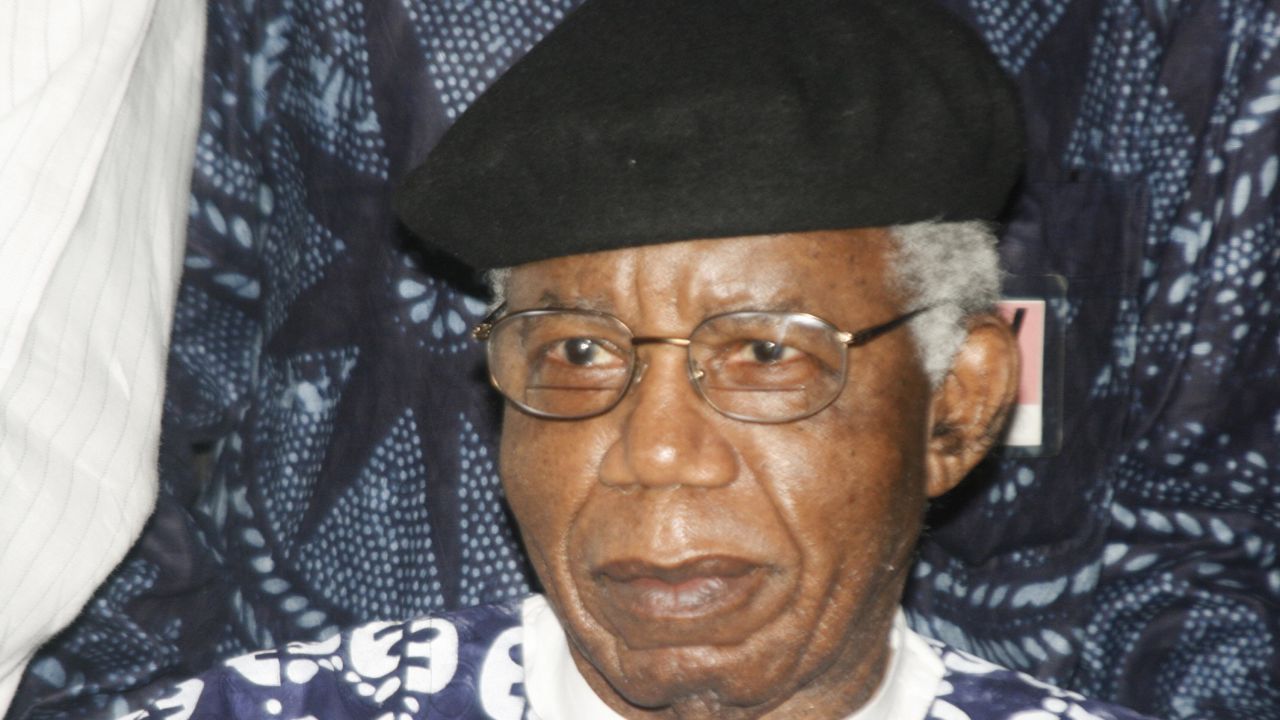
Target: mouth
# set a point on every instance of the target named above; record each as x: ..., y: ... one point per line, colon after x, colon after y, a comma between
x: 698, y: 588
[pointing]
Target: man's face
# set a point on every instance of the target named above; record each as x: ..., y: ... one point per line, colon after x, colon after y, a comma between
x: 710, y: 564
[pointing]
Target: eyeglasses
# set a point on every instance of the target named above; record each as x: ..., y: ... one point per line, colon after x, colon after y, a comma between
x: 756, y: 366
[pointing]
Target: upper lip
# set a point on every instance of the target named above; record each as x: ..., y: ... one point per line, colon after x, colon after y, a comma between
x: 725, y: 566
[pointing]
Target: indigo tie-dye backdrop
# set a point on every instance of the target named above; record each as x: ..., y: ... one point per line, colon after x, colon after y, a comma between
x: 328, y: 454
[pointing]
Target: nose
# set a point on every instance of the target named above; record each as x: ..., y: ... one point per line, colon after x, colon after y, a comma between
x: 669, y: 435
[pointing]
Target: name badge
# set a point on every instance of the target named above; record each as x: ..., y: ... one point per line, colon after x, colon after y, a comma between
x: 1032, y: 306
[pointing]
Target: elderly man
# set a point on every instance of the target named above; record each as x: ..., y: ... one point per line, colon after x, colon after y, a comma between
x: 744, y: 333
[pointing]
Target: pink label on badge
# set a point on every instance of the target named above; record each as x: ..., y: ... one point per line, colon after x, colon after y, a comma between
x: 1027, y: 319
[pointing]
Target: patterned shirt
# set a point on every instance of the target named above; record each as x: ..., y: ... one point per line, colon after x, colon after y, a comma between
x: 477, y: 664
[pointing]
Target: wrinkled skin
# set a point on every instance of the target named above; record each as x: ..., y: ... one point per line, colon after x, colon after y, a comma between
x: 705, y: 567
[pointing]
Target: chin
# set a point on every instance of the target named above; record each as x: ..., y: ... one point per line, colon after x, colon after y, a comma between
x: 737, y: 677
x: 811, y: 644
x: 752, y: 669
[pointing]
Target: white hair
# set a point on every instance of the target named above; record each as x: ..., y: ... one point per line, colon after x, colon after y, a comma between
x: 497, y: 279
x: 950, y: 267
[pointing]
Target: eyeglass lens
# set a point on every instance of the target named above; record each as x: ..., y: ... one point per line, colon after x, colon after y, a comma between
x: 761, y: 366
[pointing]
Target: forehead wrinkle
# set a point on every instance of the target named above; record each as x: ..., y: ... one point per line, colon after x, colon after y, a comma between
x: 654, y: 283
x: 636, y: 291
x: 740, y: 301
x: 697, y: 283
x: 767, y: 289
x: 754, y: 276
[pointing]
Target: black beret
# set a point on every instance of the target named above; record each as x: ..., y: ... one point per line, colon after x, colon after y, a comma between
x: 638, y: 122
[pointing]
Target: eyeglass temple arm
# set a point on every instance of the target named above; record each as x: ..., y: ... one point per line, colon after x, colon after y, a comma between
x: 481, y: 332
x: 862, y: 337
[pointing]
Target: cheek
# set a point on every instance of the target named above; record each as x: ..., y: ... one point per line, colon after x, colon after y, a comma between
x: 855, y: 494
x: 548, y: 469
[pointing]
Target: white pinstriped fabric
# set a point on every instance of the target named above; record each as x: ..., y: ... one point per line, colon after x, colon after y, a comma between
x: 99, y: 103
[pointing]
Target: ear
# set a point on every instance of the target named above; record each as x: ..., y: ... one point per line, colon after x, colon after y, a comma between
x: 969, y: 409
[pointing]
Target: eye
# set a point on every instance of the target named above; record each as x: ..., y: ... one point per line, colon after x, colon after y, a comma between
x: 765, y: 352
x: 580, y: 351
x: 585, y: 352
x: 758, y: 362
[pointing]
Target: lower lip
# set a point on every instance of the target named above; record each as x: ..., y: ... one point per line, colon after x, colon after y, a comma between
x: 696, y: 597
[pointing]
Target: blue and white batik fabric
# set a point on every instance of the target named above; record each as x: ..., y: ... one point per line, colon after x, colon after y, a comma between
x: 511, y: 662
x: 329, y: 439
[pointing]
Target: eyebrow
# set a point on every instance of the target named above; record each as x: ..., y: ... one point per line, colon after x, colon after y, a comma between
x: 549, y: 300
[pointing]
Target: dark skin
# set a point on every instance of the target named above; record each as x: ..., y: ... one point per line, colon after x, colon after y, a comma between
x: 705, y: 567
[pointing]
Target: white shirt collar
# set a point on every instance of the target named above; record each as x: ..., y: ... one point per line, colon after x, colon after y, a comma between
x: 557, y: 691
